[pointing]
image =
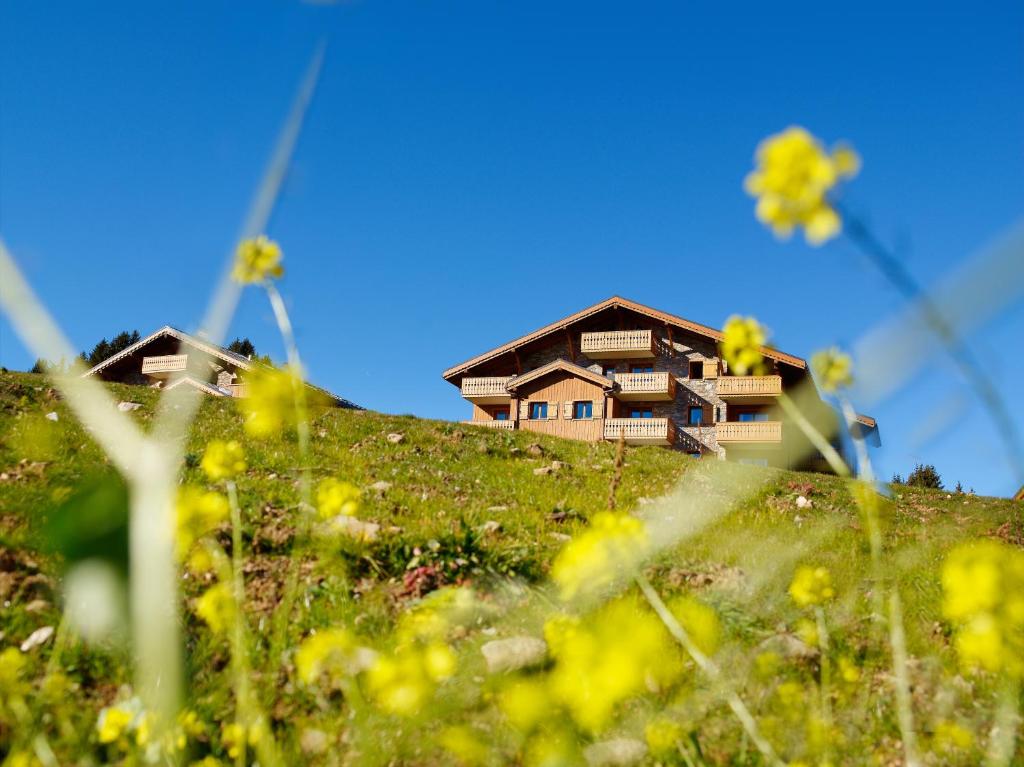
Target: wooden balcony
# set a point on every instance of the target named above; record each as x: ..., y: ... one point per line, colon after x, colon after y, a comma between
x: 749, y: 389
x: 487, y: 391
x: 163, y: 367
x: 641, y: 431
x: 733, y: 432
x: 618, y: 344
x: 645, y: 387
x: 495, y: 424
x: 238, y: 389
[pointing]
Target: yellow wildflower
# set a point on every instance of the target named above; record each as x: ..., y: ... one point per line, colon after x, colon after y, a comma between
x: 663, y: 736
x: 848, y: 670
x: 811, y: 586
x: 402, y: 682
x: 700, y: 621
x: 607, y: 550
x: 620, y: 651
x: 463, y: 744
x: 198, y: 513
x: 327, y: 651
x: 113, y: 723
x: 269, y: 404
x: 217, y: 607
x: 526, y: 703
x: 792, y: 180
x: 223, y: 460
x: 12, y: 664
x: 950, y: 736
x: 256, y: 260
x: 208, y: 761
x: 21, y: 759
x: 833, y: 369
x: 807, y: 631
x: 334, y: 498
x: 983, y: 596
x: 743, y: 338
x: 233, y: 739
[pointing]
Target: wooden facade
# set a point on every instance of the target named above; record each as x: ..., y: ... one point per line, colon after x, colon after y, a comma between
x: 621, y: 368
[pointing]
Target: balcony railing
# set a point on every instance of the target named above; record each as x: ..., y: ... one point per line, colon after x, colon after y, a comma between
x: 505, y: 425
x: 486, y: 391
x: 161, y: 367
x: 238, y: 389
x: 749, y: 386
x: 641, y: 431
x: 645, y: 386
x: 748, y: 431
x: 618, y: 344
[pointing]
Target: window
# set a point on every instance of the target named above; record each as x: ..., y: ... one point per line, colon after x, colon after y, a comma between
x: 501, y: 415
x: 695, y: 415
x: 748, y: 417
x: 583, y: 409
x: 697, y: 454
x: 608, y: 371
x: 644, y: 368
x: 718, y: 414
x: 696, y: 369
x: 641, y: 412
x: 538, y: 410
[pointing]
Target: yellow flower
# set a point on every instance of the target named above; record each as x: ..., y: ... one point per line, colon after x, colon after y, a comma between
x: 983, y: 597
x: 114, y: 722
x: 233, y: 739
x: 700, y: 621
x: 663, y: 736
x: 12, y: 664
x: 620, y: 651
x: 950, y: 736
x: 792, y: 180
x: 526, y: 703
x: 848, y: 670
x: 334, y: 498
x: 833, y: 369
x: 198, y: 512
x: 402, y: 682
x: 269, y: 404
x: 21, y: 759
x: 463, y: 744
x: 223, y: 460
x: 811, y: 586
x: 208, y: 761
x: 256, y: 260
x: 604, y: 552
x: 217, y: 607
x: 326, y: 651
x: 743, y: 338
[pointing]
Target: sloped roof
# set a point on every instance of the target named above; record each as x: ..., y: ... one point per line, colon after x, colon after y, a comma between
x: 623, y: 303
x: 555, y: 366
x: 217, y: 351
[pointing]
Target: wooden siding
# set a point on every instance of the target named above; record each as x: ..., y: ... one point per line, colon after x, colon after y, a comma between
x: 557, y: 389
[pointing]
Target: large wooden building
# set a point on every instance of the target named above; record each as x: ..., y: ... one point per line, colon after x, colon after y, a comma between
x: 622, y: 368
x: 170, y: 358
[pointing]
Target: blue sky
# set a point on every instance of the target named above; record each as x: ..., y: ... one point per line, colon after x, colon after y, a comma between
x: 471, y: 171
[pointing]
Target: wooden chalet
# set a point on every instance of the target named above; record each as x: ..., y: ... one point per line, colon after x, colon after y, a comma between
x: 621, y: 368
x: 170, y: 357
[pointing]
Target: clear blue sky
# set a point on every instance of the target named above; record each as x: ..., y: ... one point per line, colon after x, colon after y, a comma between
x: 473, y: 170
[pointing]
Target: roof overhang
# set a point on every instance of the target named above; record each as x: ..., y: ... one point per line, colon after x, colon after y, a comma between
x: 556, y: 366
x: 205, y: 346
x: 613, y: 302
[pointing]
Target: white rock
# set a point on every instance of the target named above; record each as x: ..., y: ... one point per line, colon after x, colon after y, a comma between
x: 357, y: 528
x: 513, y: 654
x: 36, y: 638
x: 126, y: 407
x: 52, y: 415
x: 381, y: 487
x: 394, y: 438
x: 615, y: 753
x: 490, y: 526
x: 803, y: 503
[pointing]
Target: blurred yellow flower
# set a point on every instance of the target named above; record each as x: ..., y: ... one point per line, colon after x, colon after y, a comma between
x: 526, y: 703
x: 256, y: 260
x: 21, y: 759
x: 113, y: 723
x: 848, y: 670
x: 792, y: 180
x: 269, y: 404
x: 223, y: 460
x: 402, y: 682
x: 328, y: 652
x: 12, y: 664
x: 463, y: 744
x: 663, y: 737
x: 983, y: 597
x: 208, y: 761
x: 335, y: 497
x: 216, y: 606
x: 198, y: 512
x: 597, y: 557
x: 833, y: 369
x: 743, y: 338
x: 950, y: 736
x: 700, y: 621
x: 811, y: 586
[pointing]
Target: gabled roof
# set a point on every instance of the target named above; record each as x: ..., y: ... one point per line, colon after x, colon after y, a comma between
x: 613, y: 302
x: 1020, y: 495
x: 866, y: 420
x: 196, y: 383
x: 213, y: 349
x: 555, y: 366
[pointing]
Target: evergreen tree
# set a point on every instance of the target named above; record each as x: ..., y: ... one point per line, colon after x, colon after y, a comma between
x: 242, y: 346
x: 925, y: 475
x: 106, y: 349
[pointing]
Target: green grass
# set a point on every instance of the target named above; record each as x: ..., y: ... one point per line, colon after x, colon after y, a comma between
x: 446, y: 487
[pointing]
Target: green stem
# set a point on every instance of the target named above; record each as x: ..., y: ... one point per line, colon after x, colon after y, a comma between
x: 239, y: 654
x: 1003, y: 737
x: 816, y: 437
x: 825, y: 682
x: 904, y: 711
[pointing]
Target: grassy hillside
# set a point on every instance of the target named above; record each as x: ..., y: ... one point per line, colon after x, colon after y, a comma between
x: 464, y: 505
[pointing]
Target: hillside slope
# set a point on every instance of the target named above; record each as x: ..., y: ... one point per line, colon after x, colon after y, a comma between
x: 459, y: 504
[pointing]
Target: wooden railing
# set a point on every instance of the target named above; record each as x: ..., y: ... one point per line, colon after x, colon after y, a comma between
x: 749, y: 431
x: 238, y: 389
x: 493, y: 386
x: 650, y: 430
x: 168, y: 363
x: 617, y: 342
x: 495, y: 424
x: 749, y: 386
x: 645, y: 383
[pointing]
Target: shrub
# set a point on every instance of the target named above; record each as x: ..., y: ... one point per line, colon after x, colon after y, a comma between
x: 924, y: 475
